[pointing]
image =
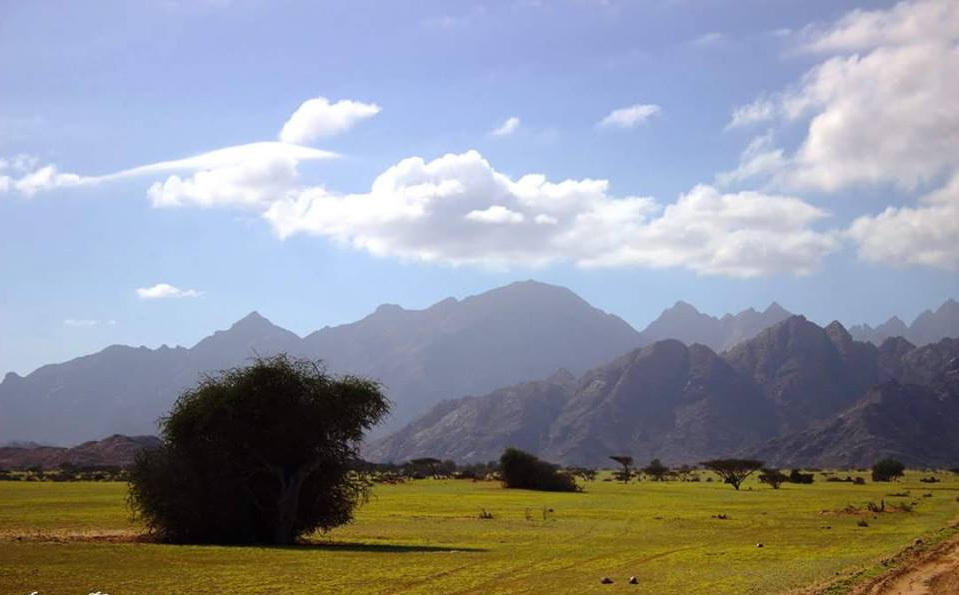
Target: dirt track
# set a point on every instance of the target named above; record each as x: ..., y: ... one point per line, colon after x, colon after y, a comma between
x: 935, y: 573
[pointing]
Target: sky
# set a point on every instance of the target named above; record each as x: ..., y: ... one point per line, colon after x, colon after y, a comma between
x: 168, y: 166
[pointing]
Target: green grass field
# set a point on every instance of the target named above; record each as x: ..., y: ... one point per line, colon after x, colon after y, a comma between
x: 426, y: 537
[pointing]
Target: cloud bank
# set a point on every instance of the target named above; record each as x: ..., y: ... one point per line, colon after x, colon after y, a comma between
x: 459, y: 210
x: 880, y: 111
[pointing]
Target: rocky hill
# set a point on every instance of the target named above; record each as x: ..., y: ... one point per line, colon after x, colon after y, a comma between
x: 115, y: 450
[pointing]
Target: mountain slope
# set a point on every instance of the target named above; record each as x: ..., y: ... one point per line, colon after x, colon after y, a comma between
x: 917, y: 424
x: 806, y: 371
x: 665, y: 401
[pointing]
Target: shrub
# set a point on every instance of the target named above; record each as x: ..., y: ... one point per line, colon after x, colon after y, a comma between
x: 797, y: 476
x: 522, y: 470
x: 887, y: 470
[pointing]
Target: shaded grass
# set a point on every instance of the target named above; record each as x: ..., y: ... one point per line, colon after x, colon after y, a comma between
x: 426, y: 537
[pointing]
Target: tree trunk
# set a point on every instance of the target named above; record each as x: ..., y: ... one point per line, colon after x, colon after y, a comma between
x: 288, y: 504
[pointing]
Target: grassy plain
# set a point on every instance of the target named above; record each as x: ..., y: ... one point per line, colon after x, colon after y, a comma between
x: 426, y: 537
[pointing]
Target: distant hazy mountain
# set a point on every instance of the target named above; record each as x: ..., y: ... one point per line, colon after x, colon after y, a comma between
x: 123, y: 390
x: 687, y: 324
x: 515, y: 333
x: 684, y: 404
x: 928, y: 327
x: 507, y: 335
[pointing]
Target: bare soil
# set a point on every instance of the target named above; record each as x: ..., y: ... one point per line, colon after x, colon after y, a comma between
x: 934, y: 572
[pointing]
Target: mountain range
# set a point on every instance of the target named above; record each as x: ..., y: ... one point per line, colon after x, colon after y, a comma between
x: 501, y: 338
x: 455, y: 347
x: 796, y: 394
x: 928, y: 327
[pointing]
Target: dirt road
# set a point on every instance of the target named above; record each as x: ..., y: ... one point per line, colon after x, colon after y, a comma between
x: 934, y: 573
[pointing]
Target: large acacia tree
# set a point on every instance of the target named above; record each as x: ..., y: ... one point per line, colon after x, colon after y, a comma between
x: 261, y: 454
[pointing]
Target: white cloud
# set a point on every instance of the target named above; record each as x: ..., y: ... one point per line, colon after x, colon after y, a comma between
x: 496, y: 214
x: 228, y: 157
x: 21, y: 163
x: 880, y: 110
x: 713, y: 39
x: 760, y: 110
x: 506, y: 128
x: 87, y: 323
x: 47, y: 178
x: 226, y: 164
x: 760, y: 158
x: 458, y: 210
x: 628, y: 117
x: 166, y: 291
x: 245, y: 184
x: 746, y: 234
x: 317, y: 118
x: 885, y: 114
x: 906, y: 23
x: 890, y: 116
x: 924, y: 235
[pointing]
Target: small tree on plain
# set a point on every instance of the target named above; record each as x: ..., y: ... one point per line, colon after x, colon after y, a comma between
x: 797, y: 476
x: 656, y: 470
x: 626, y: 461
x: 733, y: 471
x: 773, y: 477
x: 427, y: 464
x: 887, y: 470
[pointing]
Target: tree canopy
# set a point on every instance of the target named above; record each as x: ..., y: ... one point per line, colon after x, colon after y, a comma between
x: 773, y: 477
x: 520, y: 469
x: 887, y: 470
x: 261, y: 454
x: 733, y: 471
x: 656, y: 470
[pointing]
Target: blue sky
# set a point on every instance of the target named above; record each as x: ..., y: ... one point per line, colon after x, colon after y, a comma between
x: 799, y: 151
